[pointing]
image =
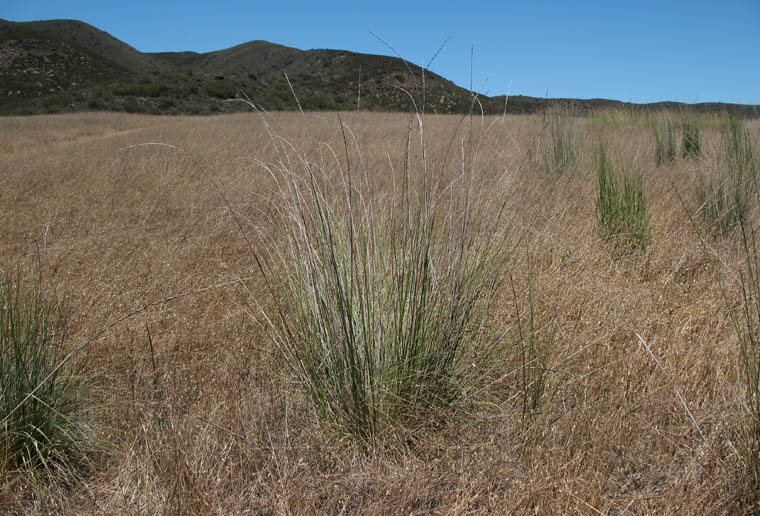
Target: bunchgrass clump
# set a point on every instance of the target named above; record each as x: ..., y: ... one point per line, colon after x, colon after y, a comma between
x: 536, y: 345
x: 621, y: 208
x: 665, y: 142
x: 382, y: 305
x: 46, y: 430
x: 746, y: 323
x: 726, y: 196
x: 560, y: 148
x: 691, y: 142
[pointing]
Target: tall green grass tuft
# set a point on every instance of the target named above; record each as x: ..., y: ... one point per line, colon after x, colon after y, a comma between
x: 691, y: 142
x: 726, y: 196
x: 665, y: 142
x: 560, y: 148
x: 741, y: 167
x: 49, y: 429
x: 536, y: 347
x: 734, y: 191
x: 746, y: 322
x: 621, y: 207
x: 383, y: 301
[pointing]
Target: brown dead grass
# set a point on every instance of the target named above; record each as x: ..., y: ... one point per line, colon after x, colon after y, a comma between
x: 199, y: 418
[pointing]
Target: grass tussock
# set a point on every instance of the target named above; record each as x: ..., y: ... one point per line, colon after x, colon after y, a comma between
x: 383, y: 303
x: 44, y: 425
x: 666, y: 146
x: 536, y: 343
x: 728, y: 195
x: 733, y: 196
x: 691, y: 140
x: 561, y: 146
x: 621, y: 207
x: 745, y: 321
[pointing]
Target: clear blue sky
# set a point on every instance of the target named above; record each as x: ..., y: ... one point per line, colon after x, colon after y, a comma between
x: 639, y: 51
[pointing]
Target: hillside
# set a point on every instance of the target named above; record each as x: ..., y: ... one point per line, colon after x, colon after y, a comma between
x: 68, y: 65
x: 35, y: 63
x: 123, y: 79
x: 90, y: 38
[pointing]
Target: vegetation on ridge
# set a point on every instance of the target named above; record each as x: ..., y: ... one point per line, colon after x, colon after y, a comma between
x: 67, y: 65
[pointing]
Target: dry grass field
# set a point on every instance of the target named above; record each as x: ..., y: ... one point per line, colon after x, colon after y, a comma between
x: 194, y: 411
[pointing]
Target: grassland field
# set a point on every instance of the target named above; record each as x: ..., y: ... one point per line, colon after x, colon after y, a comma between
x: 195, y: 412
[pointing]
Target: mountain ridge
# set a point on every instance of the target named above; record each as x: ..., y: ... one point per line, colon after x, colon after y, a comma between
x: 69, y: 65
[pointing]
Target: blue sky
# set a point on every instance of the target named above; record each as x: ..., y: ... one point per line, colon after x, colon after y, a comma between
x: 639, y: 51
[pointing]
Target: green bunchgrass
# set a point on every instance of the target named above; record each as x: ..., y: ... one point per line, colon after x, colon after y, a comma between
x: 733, y: 192
x: 621, y: 207
x: 560, y: 152
x: 741, y: 169
x: 726, y: 196
x: 48, y: 429
x: 382, y: 303
x: 665, y: 142
x: 535, y: 349
x: 746, y: 323
x: 691, y: 142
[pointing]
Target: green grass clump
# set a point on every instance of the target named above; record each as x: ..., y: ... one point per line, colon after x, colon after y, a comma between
x: 47, y: 429
x: 665, y: 142
x: 726, y: 196
x: 536, y: 345
x: 560, y: 149
x: 621, y: 207
x: 746, y: 323
x: 691, y: 143
x: 383, y: 304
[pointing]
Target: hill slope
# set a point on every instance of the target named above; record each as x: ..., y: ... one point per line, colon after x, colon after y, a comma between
x: 68, y: 65
x: 90, y: 38
x: 35, y: 63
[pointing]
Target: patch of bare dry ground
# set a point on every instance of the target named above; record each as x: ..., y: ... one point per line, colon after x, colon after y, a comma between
x: 197, y: 416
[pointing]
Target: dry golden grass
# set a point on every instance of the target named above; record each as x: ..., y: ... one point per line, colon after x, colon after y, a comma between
x: 198, y: 417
